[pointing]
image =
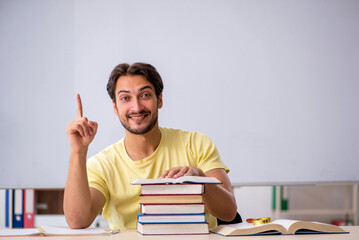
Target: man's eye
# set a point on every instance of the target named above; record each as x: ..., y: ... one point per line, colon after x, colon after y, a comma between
x: 145, y: 95
x: 123, y: 98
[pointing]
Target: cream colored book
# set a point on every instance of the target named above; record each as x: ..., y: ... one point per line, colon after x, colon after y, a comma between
x: 182, y: 185
x: 180, y: 180
x: 279, y: 226
x: 47, y: 231
x: 8, y: 232
x: 54, y: 231
x: 187, y: 208
x: 168, y: 189
x: 171, y: 199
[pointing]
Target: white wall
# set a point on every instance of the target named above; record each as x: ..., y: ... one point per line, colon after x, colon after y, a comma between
x: 37, y: 84
x: 254, y: 202
x: 273, y: 83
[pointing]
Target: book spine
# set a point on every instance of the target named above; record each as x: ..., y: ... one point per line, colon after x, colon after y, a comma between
x: 18, y: 208
x: 9, y: 208
x: 274, y: 192
x: 29, y: 208
x: 173, y: 208
x: 2, y: 208
x: 171, y: 218
x: 172, y: 189
x: 284, y: 197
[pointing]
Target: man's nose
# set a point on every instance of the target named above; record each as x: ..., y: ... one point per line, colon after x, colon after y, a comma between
x: 137, y: 106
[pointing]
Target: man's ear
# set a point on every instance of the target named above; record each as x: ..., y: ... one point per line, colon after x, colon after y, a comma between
x: 160, y: 101
x: 114, y: 107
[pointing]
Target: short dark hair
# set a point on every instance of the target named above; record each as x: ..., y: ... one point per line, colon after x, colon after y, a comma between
x: 144, y: 69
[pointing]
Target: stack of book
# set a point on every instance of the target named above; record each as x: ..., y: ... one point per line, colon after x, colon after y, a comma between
x: 173, y: 206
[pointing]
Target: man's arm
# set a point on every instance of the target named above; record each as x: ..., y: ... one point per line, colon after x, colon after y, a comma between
x: 219, y: 198
x: 81, y: 203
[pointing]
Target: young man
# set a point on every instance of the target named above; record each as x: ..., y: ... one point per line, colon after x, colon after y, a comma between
x: 147, y: 151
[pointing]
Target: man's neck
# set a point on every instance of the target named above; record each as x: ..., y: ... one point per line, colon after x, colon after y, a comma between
x: 141, y: 146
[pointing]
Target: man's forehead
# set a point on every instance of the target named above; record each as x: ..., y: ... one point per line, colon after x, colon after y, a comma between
x: 130, y: 84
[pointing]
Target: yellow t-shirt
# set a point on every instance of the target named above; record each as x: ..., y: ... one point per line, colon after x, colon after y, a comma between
x: 111, y: 171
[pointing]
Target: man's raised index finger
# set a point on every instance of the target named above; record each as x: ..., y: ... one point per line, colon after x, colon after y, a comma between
x: 79, y: 106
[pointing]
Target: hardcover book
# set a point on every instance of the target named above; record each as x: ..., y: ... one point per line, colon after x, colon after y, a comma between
x: 172, y: 228
x: 171, y: 199
x: 18, y: 208
x: 29, y: 208
x: 171, y: 218
x: 166, y: 189
x: 196, y: 208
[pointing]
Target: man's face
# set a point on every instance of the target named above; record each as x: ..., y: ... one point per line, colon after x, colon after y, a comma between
x: 136, y: 104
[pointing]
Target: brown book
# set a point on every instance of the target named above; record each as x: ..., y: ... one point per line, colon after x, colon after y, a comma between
x: 279, y: 226
x: 171, y: 199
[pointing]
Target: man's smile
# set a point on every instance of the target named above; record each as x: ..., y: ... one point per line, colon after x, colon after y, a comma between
x: 138, y: 116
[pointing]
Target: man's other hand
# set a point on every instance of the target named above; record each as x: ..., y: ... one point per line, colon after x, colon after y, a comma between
x: 177, y: 172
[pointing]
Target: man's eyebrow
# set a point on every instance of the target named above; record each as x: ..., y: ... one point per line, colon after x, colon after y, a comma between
x: 141, y: 89
x: 145, y: 87
x: 123, y: 91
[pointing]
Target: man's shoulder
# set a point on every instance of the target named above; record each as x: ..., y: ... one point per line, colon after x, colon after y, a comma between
x: 183, y: 134
x: 172, y: 132
x: 109, y: 153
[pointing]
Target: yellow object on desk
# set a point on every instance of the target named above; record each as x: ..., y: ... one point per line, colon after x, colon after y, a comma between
x: 260, y: 221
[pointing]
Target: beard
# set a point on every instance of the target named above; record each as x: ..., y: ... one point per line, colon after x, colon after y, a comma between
x: 143, y: 130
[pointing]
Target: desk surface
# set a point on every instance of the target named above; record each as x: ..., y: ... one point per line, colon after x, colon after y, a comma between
x: 133, y: 235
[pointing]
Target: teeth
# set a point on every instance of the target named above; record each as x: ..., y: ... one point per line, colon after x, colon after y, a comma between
x: 137, y: 117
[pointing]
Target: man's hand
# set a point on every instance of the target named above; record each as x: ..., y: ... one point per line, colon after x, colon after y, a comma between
x: 177, y: 172
x: 80, y: 131
x: 214, y: 193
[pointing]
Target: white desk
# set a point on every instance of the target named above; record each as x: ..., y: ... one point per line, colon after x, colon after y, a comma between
x: 133, y: 235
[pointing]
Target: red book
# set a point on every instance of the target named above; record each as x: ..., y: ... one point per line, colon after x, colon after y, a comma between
x: 29, y: 208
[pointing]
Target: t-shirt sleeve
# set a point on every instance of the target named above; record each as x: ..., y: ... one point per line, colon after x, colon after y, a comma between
x: 95, y: 175
x: 205, y: 153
